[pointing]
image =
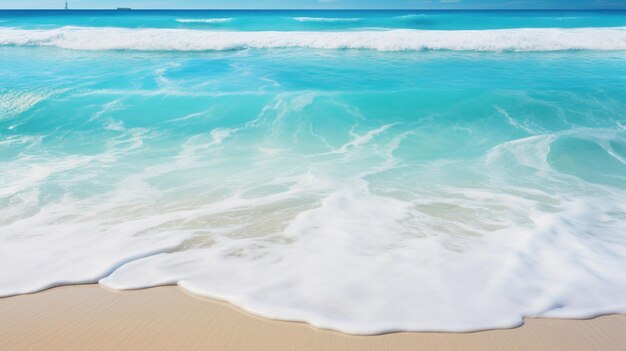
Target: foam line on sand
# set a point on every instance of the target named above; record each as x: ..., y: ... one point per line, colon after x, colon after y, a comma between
x: 165, y: 318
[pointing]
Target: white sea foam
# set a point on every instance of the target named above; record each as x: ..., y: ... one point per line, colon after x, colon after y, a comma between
x: 204, y: 20
x: 15, y: 102
x: 530, y: 263
x: 413, y: 16
x: 524, y: 39
x: 327, y: 19
x: 312, y: 210
x: 318, y: 243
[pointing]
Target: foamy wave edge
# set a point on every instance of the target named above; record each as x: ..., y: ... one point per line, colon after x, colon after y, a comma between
x: 204, y: 20
x: 327, y: 19
x: 497, y: 40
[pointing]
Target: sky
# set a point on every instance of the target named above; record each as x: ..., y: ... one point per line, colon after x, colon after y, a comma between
x: 318, y: 4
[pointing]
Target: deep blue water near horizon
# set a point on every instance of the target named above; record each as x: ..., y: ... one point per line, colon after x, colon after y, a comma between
x: 364, y: 171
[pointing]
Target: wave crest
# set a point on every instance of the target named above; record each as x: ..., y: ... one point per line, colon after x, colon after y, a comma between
x: 523, y: 39
x: 327, y: 19
x: 204, y: 20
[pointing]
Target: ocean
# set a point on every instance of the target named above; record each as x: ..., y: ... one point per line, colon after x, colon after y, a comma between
x: 362, y: 171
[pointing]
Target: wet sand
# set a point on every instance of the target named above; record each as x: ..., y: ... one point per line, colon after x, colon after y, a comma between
x: 89, y: 317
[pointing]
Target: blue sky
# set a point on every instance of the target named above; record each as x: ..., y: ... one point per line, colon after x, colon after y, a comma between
x: 276, y: 4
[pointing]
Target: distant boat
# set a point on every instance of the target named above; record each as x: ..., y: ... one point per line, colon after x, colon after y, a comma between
x: 124, y: 9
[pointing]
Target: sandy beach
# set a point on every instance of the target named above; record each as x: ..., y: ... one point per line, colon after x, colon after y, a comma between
x: 166, y: 318
x: 323, y: 175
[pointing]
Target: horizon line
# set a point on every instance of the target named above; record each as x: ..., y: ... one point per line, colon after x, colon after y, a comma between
x: 304, y: 9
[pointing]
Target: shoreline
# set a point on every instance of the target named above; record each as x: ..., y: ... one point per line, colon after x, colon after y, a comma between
x: 165, y: 318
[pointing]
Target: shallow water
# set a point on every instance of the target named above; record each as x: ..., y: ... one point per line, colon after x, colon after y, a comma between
x: 456, y: 188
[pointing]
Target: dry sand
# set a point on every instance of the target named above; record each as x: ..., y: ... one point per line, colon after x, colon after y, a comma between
x: 165, y: 318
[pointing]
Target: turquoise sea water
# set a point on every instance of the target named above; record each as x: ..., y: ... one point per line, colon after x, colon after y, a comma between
x: 326, y: 20
x: 365, y: 171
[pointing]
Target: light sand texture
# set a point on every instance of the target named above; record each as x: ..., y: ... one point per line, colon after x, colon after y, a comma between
x: 165, y: 318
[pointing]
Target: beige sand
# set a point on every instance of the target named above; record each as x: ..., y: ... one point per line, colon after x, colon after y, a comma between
x: 165, y: 318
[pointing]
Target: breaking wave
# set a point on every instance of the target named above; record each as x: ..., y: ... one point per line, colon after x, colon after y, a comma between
x: 203, y: 20
x: 327, y: 19
x: 516, y: 40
